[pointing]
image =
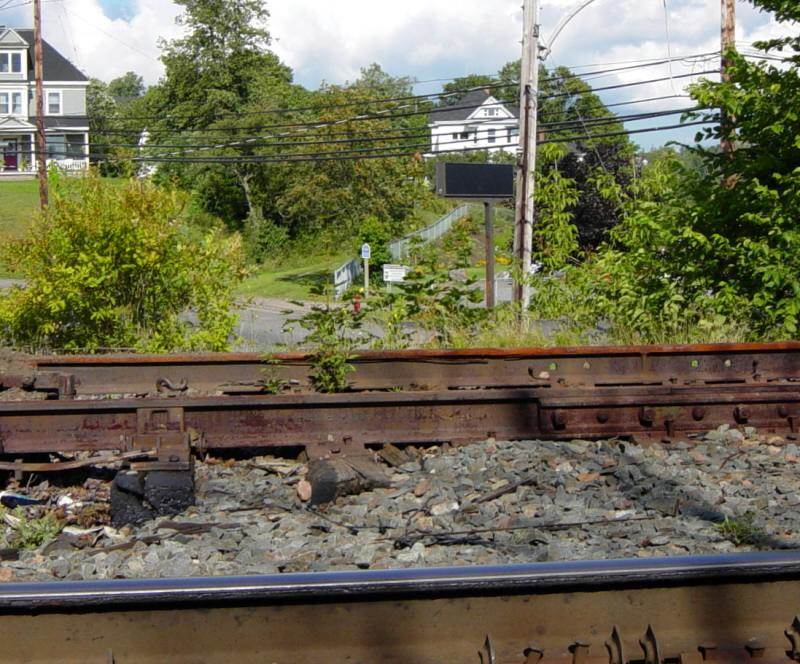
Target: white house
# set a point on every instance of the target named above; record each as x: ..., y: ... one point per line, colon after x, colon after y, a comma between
x: 477, y: 122
x: 65, y: 120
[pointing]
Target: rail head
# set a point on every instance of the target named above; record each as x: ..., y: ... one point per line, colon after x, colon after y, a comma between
x: 535, y: 578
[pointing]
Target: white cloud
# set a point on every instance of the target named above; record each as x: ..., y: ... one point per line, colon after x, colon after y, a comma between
x: 102, y: 47
x: 332, y: 40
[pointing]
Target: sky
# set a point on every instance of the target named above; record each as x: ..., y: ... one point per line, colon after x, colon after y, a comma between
x: 431, y: 40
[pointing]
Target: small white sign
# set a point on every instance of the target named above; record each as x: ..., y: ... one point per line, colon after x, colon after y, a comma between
x: 366, y: 252
x: 394, y: 274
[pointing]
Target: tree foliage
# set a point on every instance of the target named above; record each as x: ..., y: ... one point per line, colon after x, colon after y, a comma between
x: 113, y: 265
x: 126, y: 87
x: 717, y: 247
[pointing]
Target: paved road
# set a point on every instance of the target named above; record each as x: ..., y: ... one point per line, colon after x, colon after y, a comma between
x: 261, y: 324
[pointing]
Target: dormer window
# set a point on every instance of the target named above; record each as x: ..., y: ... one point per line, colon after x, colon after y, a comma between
x: 10, y: 63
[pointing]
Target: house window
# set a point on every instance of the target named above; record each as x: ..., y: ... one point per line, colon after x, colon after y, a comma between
x: 512, y: 134
x: 54, y: 103
x: 493, y: 135
x: 75, y: 146
x: 491, y: 112
x: 10, y: 63
x: 455, y: 137
x: 465, y: 136
x: 56, y: 147
x: 10, y: 103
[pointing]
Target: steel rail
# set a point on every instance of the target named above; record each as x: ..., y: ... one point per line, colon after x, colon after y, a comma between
x: 573, y: 576
x: 730, y: 608
x: 341, y: 423
x: 430, y: 369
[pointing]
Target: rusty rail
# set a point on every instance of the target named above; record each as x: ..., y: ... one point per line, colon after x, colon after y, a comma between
x: 732, y: 608
x: 244, y: 373
x: 340, y: 423
x: 659, y: 392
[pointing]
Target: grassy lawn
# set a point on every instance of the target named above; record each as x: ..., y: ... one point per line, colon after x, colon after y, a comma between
x: 296, y: 275
x: 294, y: 279
x: 18, y: 201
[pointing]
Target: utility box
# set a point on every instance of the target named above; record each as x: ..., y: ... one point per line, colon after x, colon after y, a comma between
x: 480, y: 181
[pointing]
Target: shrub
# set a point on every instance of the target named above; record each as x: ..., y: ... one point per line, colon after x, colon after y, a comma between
x: 112, y: 265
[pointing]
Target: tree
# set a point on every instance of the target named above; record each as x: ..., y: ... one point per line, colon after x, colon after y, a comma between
x: 717, y: 247
x: 568, y: 108
x: 110, y: 266
x: 335, y: 195
x: 221, y: 76
x: 126, y: 87
x: 455, y: 89
x: 102, y: 112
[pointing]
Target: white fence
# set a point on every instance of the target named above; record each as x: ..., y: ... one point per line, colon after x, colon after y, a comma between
x: 399, y: 249
x: 345, y: 275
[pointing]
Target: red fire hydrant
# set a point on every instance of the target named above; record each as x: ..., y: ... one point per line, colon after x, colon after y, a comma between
x: 357, y: 303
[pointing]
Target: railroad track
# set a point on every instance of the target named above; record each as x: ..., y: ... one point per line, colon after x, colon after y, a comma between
x: 245, y: 373
x: 733, y: 608
x: 157, y: 412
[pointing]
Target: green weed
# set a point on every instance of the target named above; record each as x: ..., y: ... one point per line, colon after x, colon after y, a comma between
x: 742, y: 531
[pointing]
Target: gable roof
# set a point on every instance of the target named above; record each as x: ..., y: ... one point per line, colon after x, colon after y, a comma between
x: 55, y: 66
x: 466, y: 106
x: 10, y: 37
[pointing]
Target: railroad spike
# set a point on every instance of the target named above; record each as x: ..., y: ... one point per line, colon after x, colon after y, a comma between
x: 793, y: 634
x: 487, y: 655
x: 616, y: 651
x: 755, y: 648
x: 708, y: 651
x: 533, y: 654
x: 649, y: 644
x: 580, y: 652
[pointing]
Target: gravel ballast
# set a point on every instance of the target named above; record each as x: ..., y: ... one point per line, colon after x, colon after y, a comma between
x: 490, y: 503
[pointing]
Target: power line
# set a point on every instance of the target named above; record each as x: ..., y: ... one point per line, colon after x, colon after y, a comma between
x: 266, y: 142
x: 351, y: 155
x: 554, y: 126
x: 373, y: 153
x: 404, y: 98
x: 383, y: 115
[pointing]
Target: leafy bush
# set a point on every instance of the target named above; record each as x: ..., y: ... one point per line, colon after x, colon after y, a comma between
x: 434, y: 296
x: 264, y: 239
x: 333, y: 335
x: 112, y: 265
x: 377, y: 235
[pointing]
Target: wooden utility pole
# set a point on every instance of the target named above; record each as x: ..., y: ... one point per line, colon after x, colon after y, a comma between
x: 728, y: 42
x: 529, y: 106
x: 41, y: 143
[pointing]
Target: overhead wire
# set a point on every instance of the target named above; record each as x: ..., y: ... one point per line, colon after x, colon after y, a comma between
x: 388, y: 151
x: 266, y: 142
x: 403, y: 98
x: 393, y: 116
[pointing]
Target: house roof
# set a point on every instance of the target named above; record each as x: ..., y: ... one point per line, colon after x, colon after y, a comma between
x: 55, y: 66
x: 466, y: 106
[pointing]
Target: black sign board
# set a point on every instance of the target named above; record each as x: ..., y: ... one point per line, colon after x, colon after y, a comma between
x: 483, y: 181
